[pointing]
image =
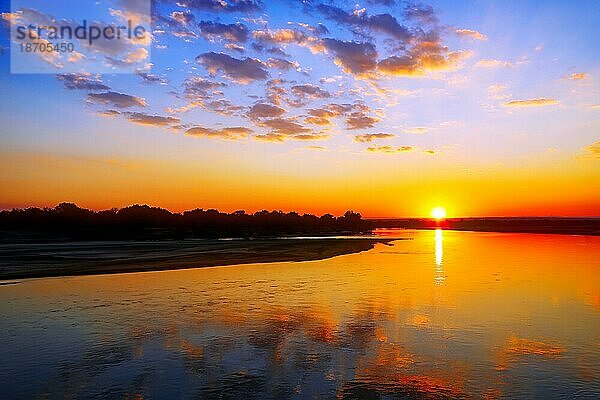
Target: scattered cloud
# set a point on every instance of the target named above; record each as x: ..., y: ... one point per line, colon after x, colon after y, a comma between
x: 82, y: 81
x: 427, y: 55
x: 353, y: 57
x: 498, y: 92
x: 152, y: 120
x: 310, y: 91
x: 358, y: 120
x: 216, y: 31
x: 242, y: 71
x: 539, y: 102
x: 116, y: 99
x: 578, y: 76
x: 416, y: 130
x: 151, y: 78
x: 225, y: 6
x: 360, y: 20
x: 323, y: 116
x: 282, y: 64
x: 285, y: 126
x: 316, y: 148
x: 109, y: 113
x: 592, y: 151
x: 369, y: 137
x: 262, y: 110
x: 390, y: 149
x: 196, y: 87
x: 486, y: 63
x: 232, y: 133
x: 470, y: 34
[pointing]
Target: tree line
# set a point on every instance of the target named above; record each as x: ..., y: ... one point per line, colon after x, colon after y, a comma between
x: 68, y: 221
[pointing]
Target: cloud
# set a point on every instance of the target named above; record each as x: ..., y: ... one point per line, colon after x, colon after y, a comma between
x: 151, y: 78
x: 242, y: 71
x: 152, y: 120
x: 119, y: 100
x: 109, y: 113
x: 282, y: 64
x: 232, y: 133
x: 323, y: 116
x: 390, y: 149
x: 200, y: 88
x: 310, y: 136
x: 578, y: 76
x: 235, y: 47
x: 310, y: 91
x: 359, y: 119
x: 134, y: 57
x: 82, y: 81
x: 221, y: 106
x: 353, y: 57
x: 275, y: 92
x: 470, y: 34
x: 316, y: 148
x: 539, y: 102
x: 355, y: 115
x: 285, y: 126
x: 270, y: 137
x: 428, y: 54
x: 262, y: 110
x: 493, y: 64
x: 359, y: 19
x: 592, y: 151
x: 369, y: 137
x: 215, y: 31
x: 202, y: 93
x: 416, y: 130
x: 280, y: 36
x: 183, y: 18
x: 239, y: 6
x: 319, y: 29
x: 420, y: 13
x: 289, y: 36
x: 498, y: 91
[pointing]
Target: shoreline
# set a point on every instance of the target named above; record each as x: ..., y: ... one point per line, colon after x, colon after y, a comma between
x: 45, y: 260
x: 541, y: 225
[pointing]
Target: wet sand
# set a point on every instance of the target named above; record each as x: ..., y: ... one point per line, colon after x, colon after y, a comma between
x: 19, y: 261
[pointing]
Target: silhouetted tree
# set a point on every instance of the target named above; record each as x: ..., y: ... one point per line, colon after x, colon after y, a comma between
x: 68, y: 221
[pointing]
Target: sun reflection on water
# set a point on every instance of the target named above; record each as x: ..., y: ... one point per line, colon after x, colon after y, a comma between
x: 439, y: 254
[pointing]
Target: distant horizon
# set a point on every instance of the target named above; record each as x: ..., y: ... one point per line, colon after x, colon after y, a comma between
x: 301, y: 212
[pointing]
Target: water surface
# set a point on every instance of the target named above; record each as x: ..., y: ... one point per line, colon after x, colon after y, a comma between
x: 444, y: 314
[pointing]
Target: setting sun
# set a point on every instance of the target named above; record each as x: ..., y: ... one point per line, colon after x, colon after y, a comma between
x: 438, y: 213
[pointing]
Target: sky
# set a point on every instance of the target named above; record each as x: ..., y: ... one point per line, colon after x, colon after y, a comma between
x: 385, y: 107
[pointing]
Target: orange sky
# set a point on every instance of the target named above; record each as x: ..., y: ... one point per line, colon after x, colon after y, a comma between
x: 97, y: 183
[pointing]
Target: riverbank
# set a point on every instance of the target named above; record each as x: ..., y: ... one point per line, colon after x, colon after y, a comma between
x: 19, y: 261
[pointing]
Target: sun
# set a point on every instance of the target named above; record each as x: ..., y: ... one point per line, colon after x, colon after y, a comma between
x: 438, y: 213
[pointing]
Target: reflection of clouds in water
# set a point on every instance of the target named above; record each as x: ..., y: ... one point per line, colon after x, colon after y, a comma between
x: 520, y: 347
x: 373, y: 325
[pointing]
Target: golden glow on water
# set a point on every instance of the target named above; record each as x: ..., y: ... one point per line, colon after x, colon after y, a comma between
x: 439, y: 255
x: 443, y: 313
